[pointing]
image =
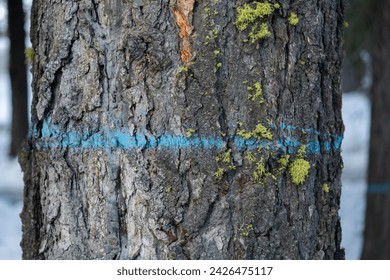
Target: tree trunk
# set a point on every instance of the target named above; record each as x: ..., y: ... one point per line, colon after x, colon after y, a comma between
x: 377, y: 222
x: 18, y: 75
x: 162, y: 131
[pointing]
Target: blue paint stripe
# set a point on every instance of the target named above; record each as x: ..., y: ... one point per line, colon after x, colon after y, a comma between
x: 52, y: 137
x: 378, y: 188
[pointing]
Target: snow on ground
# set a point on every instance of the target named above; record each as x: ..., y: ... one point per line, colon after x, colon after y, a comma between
x: 356, y: 115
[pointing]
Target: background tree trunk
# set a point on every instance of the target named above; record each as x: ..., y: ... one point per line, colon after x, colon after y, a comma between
x: 377, y: 225
x: 18, y: 75
x: 160, y: 132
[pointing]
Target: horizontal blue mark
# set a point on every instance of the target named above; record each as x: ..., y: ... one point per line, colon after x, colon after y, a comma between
x: 51, y: 137
x: 378, y: 188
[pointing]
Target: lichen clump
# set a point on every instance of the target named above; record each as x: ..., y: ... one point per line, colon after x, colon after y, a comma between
x: 325, y: 187
x: 258, y: 93
x: 299, y: 168
x: 248, y: 14
x: 29, y: 54
x: 293, y: 19
x: 219, y: 173
x: 190, y: 132
x: 261, y: 132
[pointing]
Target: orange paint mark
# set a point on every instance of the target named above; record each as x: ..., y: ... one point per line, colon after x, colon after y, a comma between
x: 183, y: 11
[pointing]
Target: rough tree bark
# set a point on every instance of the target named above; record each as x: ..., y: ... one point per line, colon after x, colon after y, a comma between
x: 377, y: 222
x: 18, y: 75
x: 162, y: 132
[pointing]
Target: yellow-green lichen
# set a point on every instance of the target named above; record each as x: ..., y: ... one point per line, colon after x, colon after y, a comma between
x: 244, y: 134
x: 301, y: 151
x: 169, y: 189
x: 260, y: 171
x: 283, y: 161
x: 182, y: 69
x: 299, y: 170
x: 216, y: 52
x: 219, y: 65
x: 29, y: 54
x: 250, y: 157
x: 276, y: 6
x: 257, y: 34
x: 226, y: 158
x: 219, y: 173
x: 246, y: 230
x: 232, y: 167
x: 258, y: 92
x: 325, y: 187
x: 262, y: 132
x: 258, y: 133
x: 248, y: 14
x: 293, y: 19
x: 190, y: 132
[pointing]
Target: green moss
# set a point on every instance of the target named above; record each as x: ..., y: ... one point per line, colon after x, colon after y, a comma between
x: 219, y: 173
x: 277, y: 6
x: 325, y: 187
x: 258, y: 93
x: 190, y: 132
x: 29, y: 54
x: 299, y: 170
x: 262, y: 132
x: 346, y: 24
x: 293, y: 19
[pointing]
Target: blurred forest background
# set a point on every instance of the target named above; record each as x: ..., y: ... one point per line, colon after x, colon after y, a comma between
x: 365, y: 201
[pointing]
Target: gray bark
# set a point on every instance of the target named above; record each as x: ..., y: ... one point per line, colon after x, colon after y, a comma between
x: 135, y: 112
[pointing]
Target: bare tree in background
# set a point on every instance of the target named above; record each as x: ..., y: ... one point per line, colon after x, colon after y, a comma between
x: 184, y: 130
x: 18, y: 75
x: 377, y: 225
